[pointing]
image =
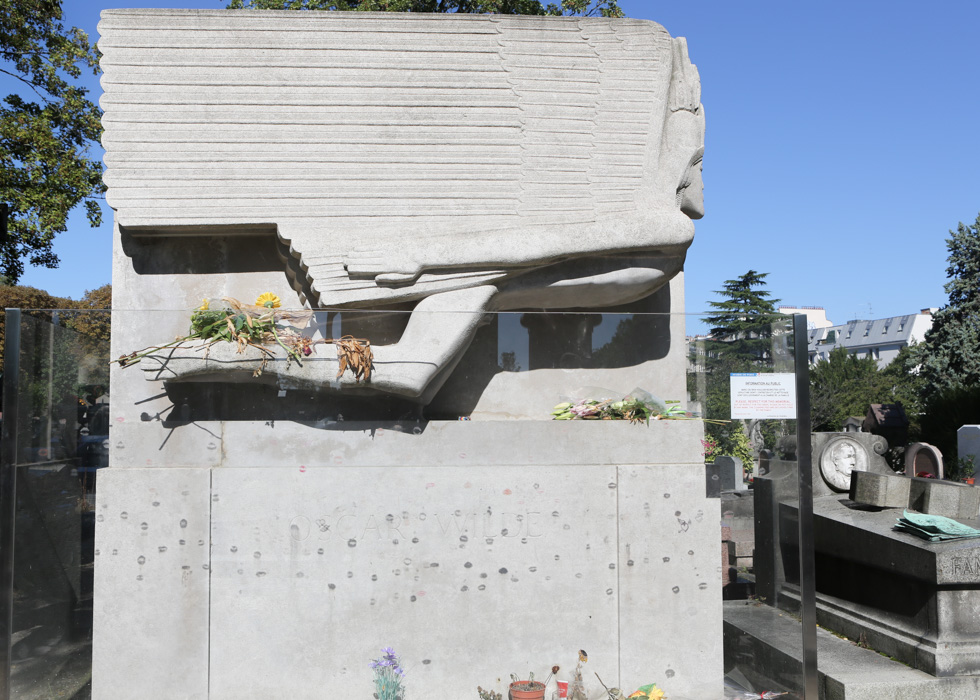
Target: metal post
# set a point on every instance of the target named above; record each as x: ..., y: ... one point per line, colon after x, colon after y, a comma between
x: 8, y: 492
x: 808, y: 591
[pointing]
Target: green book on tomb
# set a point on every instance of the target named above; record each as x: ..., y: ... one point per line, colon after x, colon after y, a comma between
x: 934, y: 528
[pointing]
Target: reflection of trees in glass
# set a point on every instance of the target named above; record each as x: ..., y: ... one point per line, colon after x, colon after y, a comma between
x: 629, y: 345
x: 509, y: 363
x: 94, y: 323
x: 64, y: 359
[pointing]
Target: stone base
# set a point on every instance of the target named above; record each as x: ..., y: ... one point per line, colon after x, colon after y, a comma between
x: 917, y: 601
x: 258, y: 582
x: 765, y: 646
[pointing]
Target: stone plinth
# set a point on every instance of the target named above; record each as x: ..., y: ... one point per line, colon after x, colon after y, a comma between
x: 944, y: 498
x: 916, y: 601
x: 280, y: 571
x: 882, y: 490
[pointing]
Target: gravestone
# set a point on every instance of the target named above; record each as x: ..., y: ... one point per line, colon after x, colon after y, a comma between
x: 412, y: 176
x: 921, y: 459
x: 730, y: 472
x: 968, y: 444
x: 913, y: 600
x: 946, y: 498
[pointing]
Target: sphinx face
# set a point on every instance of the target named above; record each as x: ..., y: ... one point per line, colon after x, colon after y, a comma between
x: 680, y: 167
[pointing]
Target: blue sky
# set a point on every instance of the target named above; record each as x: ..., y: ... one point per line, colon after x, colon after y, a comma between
x: 842, y: 145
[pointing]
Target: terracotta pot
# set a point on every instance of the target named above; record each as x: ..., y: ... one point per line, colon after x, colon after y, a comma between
x: 969, y: 481
x: 537, y: 694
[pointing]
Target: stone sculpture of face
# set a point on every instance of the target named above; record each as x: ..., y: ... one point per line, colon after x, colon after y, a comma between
x: 845, y: 458
x: 839, y: 459
x: 681, y: 163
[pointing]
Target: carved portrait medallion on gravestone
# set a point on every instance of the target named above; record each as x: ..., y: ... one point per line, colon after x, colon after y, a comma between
x: 839, y: 458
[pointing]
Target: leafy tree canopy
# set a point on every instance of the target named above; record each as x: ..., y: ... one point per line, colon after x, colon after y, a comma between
x: 585, y: 8
x: 951, y: 355
x: 845, y: 385
x: 45, y: 167
x: 93, y: 325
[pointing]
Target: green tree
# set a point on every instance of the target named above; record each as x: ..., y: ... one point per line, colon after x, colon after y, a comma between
x: 19, y: 297
x: 586, y: 8
x: 740, y: 340
x: 45, y: 166
x: 905, y: 385
x: 742, y: 325
x: 951, y: 353
x: 844, y: 385
x: 39, y: 304
x: 92, y: 318
x: 949, y: 358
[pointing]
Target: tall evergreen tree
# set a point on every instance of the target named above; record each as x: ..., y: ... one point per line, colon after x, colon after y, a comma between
x: 740, y: 340
x: 951, y: 354
x: 742, y: 324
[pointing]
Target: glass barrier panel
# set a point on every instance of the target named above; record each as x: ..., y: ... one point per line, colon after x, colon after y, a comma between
x: 58, y: 415
x: 334, y: 482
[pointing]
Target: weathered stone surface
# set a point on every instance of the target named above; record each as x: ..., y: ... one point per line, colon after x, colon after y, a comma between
x: 387, y: 176
x: 426, y: 171
x: 152, y: 572
x: 945, y: 498
x: 765, y: 646
x: 883, y: 490
x: 326, y: 561
x: 914, y: 600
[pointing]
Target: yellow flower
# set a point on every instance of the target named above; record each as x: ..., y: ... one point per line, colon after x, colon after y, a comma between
x: 268, y: 300
x: 204, y: 305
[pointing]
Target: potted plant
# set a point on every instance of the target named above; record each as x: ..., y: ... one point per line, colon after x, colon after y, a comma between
x: 526, y: 690
x: 966, y: 468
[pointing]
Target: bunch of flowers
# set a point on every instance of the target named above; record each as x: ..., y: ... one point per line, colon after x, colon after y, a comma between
x: 710, y: 447
x: 632, y: 409
x: 388, y: 676
x: 260, y: 325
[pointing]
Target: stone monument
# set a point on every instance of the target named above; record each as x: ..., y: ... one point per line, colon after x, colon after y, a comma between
x: 904, y: 597
x: 412, y: 176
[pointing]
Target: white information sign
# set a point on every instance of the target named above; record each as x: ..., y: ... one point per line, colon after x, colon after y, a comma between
x: 757, y: 395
